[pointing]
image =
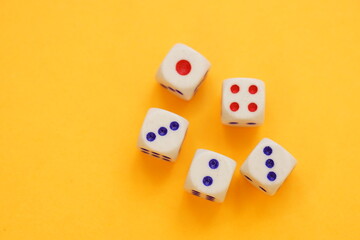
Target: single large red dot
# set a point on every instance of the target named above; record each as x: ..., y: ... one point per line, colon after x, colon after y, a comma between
x: 252, y: 107
x: 183, y: 67
x: 253, y: 89
x: 234, y: 106
x: 235, y: 88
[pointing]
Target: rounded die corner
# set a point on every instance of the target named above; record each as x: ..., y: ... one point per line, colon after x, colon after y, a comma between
x: 180, y: 44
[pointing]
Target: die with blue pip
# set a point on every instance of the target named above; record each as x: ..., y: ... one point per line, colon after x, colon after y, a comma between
x: 268, y: 166
x: 162, y: 134
x: 209, y: 175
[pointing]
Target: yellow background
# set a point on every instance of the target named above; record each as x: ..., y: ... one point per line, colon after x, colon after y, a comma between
x: 77, y: 77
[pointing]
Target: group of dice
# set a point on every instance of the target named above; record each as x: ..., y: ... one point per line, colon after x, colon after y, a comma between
x: 243, y: 104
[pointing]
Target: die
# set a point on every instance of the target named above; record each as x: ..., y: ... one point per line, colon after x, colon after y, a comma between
x: 182, y: 71
x: 243, y: 102
x: 162, y: 134
x: 267, y: 166
x: 209, y: 175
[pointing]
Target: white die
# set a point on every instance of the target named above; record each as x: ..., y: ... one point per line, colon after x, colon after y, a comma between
x: 209, y: 175
x: 243, y: 102
x: 162, y: 134
x: 182, y: 71
x: 267, y: 166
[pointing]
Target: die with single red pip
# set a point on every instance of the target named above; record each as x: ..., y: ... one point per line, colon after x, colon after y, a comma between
x: 182, y: 71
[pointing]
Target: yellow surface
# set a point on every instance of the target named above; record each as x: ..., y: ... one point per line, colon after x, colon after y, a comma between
x: 77, y: 77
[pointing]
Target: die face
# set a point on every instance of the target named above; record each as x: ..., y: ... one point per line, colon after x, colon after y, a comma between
x: 182, y: 71
x: 243, y: 102
x: 210, y: 175
x: 162, y: 134
x: 268, y: 165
